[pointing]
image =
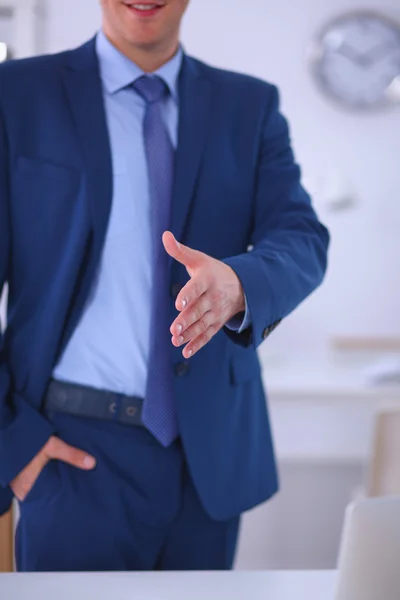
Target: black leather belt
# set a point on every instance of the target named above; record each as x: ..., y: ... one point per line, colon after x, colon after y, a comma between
x: 83, y: 401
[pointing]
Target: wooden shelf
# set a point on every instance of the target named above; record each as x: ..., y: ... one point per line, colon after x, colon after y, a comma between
x: 6, y: 543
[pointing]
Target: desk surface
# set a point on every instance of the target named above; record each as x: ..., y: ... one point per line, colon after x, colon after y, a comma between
x: 347, y: 375
x: 238, y: 585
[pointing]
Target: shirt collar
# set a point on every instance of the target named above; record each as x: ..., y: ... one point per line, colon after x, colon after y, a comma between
x: 118, y: 72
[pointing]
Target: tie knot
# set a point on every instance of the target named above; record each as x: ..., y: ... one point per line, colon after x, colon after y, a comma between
x: 151, y: 88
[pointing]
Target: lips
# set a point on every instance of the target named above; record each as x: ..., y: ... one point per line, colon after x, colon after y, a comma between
x: 145, y: 9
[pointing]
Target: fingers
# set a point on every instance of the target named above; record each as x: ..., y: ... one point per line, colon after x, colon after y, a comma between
x: 186, y: 256
x: 191, y: 293
x: 198, y: 328
x: 24, y: 482
x: 195, y: 326
x: 59, y: 450
x: 190, y: 316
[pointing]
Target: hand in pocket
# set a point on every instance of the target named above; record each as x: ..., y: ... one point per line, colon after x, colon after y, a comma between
x: 54, y: 449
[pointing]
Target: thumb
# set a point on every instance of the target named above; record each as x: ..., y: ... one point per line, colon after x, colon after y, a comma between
x: 59, y: 450
x: 183, y: 254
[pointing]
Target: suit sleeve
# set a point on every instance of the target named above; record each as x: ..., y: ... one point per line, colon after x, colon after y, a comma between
x: 23, y: 430
x: 289, y: 256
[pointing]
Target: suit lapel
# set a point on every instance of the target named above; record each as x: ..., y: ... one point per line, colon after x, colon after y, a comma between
x: 84, y: 91
x: 83, y: 88
x: 194, y: 94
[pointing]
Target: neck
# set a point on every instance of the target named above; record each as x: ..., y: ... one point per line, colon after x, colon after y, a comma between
x: 149, y: 59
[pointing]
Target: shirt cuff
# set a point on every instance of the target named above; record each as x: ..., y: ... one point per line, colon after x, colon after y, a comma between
x: 240, y: 322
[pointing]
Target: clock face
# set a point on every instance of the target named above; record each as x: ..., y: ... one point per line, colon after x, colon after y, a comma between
x: 356, y: 60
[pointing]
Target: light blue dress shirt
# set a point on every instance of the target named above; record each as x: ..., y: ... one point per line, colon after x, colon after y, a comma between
x: 109, y: 349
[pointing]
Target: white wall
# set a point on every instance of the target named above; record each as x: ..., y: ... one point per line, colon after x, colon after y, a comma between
x: 270, y: 40
x: 71, y: 23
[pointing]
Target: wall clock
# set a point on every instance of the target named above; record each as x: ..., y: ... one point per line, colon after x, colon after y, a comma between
x: 356, y: 60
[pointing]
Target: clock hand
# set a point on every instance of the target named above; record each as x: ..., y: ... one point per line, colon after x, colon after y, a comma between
x: 350, y: 53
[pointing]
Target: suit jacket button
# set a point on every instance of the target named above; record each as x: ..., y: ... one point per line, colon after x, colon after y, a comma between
x: 175, y: 289
x: 182, y: 369
x: 266, y: 333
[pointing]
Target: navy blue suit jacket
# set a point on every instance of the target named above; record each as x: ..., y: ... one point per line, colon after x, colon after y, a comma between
x: 237, y: 186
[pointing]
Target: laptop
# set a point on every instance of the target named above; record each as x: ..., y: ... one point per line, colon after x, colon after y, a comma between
x: 369, y: 557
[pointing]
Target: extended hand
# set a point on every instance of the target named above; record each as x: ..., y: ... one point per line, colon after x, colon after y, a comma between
x: 54, y: 449
x: 208, y: 301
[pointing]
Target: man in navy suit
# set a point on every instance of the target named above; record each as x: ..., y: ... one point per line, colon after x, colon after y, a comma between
x: 133, y: 423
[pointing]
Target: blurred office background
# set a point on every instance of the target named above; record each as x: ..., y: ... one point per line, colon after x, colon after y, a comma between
x: 334, y: 365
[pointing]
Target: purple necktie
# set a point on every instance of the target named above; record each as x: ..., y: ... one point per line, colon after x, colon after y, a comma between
x: 159, y: 409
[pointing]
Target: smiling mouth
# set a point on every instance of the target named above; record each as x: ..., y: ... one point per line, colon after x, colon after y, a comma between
x: 145, y: 9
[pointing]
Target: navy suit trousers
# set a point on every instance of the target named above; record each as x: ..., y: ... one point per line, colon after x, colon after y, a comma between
x: 137, y: 510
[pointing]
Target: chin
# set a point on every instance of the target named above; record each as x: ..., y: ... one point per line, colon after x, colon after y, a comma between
x: 140, y: 35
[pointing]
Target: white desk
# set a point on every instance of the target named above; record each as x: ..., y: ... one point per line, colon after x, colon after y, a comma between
x: 237, y: 585
x: 323, y: 406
